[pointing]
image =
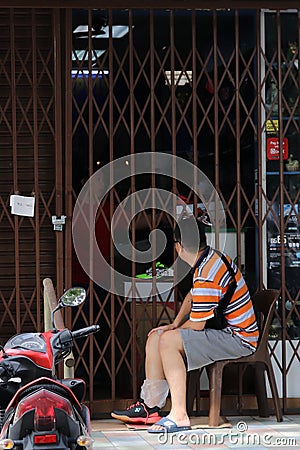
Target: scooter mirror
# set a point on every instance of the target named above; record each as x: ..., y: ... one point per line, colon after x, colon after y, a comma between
x: 73, y: 297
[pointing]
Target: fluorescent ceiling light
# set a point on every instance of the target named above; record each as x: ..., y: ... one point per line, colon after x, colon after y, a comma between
x: 82, y: 29
x: 83, y: 55
x: 179, y: 78
x: 117, y: 31
x: 84, y: 73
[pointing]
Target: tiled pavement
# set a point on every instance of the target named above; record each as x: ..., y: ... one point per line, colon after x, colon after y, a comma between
x: 253, y: 432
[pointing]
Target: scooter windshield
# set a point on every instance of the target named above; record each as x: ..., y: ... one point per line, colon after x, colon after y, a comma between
x: 27, y: 341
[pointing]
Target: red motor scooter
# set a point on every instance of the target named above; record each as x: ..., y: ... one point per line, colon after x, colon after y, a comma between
x: 39, y: 411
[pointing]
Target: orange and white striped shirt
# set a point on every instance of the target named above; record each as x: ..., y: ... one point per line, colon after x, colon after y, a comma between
x: 211, y: 281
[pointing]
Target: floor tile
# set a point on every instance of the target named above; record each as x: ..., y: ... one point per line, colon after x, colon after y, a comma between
x: 247, y: 432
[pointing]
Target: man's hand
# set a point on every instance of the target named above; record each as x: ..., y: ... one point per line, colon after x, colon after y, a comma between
x: 163, y: 328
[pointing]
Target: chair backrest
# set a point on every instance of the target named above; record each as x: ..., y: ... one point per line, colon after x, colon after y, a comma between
x: 264, y: 304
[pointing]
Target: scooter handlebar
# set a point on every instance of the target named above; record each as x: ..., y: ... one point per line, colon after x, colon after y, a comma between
x: 8, y: 369
x: 85, y: 331
x: 3, y: 372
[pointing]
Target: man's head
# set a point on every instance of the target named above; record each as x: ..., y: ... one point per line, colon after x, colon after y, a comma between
x: 190, y: 234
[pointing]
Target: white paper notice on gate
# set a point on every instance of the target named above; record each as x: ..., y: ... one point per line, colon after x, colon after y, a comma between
x: 22, y: 206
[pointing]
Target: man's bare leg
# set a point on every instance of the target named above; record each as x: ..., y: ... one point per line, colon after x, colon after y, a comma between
x: 154, y: 389
x: 171, y: 352
x: 153, y: 364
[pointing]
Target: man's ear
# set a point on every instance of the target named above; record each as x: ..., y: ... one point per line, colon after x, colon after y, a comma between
x: 178, y: 247
x: 182, y: 253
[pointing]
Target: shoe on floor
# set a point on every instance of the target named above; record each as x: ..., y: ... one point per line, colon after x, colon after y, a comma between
x: 138, y: 413
x: 169, y: 426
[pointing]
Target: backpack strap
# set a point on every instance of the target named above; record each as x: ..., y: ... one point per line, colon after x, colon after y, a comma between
x: 224, y: 302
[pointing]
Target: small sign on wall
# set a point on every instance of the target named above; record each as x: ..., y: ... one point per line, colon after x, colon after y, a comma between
x: 273, y: 148
x: 272, y: 126
x: 22, y: 206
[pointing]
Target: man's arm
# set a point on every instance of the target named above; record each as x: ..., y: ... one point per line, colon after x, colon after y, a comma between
x: 180, y: 320
x: 184, y: 311
x: 198, y: 326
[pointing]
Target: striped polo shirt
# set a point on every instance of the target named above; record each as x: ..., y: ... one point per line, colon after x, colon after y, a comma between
x: 211, y: 281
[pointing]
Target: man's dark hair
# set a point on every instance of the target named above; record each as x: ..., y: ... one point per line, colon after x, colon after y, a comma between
x: 185, y: 234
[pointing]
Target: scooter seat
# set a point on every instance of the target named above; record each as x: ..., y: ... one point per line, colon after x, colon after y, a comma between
x: 77, y: 386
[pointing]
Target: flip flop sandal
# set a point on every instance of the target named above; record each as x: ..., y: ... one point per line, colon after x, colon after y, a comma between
x: 169, y: 426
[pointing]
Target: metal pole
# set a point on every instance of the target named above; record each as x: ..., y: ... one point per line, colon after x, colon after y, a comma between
x: 50, y: 302
x: 47, y: 311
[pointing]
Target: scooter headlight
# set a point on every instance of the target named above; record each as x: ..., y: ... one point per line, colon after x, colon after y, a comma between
x: 6, y: 444
x: 85, y: 441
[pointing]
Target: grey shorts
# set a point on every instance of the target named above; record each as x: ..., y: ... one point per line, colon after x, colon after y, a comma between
x: 209, y: 345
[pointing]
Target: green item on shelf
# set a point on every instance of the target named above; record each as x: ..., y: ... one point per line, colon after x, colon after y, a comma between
x: 143, y: 276
x: 161, y: 270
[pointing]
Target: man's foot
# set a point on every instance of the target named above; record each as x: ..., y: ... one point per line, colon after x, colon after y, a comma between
x: 168, y: 425
x: 138, y: 413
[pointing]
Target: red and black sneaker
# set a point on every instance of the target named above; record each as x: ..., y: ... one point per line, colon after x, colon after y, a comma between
x: 138, y: 413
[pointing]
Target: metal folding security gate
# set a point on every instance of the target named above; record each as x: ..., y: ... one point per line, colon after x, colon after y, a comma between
x: 31, y: 161
x: 217, y: 88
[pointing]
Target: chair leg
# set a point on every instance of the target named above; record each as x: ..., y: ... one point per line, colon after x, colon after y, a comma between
x: 241, y: 371
x: 193, y: 390
x: 215, y: 389
x: 274, y: 390
x: 261, y: 391
x: 197, y: 412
